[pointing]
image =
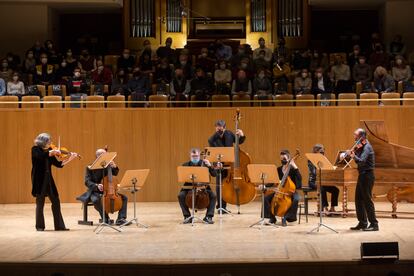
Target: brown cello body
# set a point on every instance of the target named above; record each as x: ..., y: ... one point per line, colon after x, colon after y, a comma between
x: 237, y: 188
x: 201, y: 201
x: 282, y: 200
x: 112, y: 200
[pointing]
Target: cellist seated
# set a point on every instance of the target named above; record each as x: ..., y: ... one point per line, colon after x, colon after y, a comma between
x: 196, y: 161
x: 93, y: 180
x: 295, y: 176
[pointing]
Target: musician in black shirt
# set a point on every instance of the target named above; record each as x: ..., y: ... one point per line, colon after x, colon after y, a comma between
x: 224, y: 138
x: 296, y: 177
x: 196, y: 161
x: 364, y: 156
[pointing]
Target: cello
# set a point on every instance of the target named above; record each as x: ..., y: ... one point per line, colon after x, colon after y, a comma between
x: 237, y: 188
x: 112, y: 200
x: 282, y: 199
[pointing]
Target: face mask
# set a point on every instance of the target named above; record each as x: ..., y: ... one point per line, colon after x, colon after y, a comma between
x: 315, y: 55
x: 69, y: 54
x: 63, y: 64
x: 100, y: 68
x: 44, y: 60
x: 126, y: 56
x: 15, y: 78
x: 361, y: 61
x: 356, y: 53
x: 30, y: 56
x: 220, y: 132
x: 284, y: 162
x: 183, y: 62
x: 399, y: 61
x: 262, y: 44
x: 261, y: 75
x: 50, y: 46
x: 77, y: 74
x: 304, y: 75
x: 10, y: 59
x: 222, y: 66
x: 244, y: 65
x: 195, y: 160
x: 319, y: 75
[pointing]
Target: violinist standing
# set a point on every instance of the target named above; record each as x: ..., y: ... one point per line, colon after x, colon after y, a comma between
x: 224, y: 138
x: 93, y: 180
x: 364, y: 156
x: 43, y: 185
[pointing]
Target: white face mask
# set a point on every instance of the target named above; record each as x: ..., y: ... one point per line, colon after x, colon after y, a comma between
x: 261, y: 75
x: 204, y: 54
x: 69, y: 54
x: 399, y: 61
x: 100, y: 68
x: 304, y: 75
x: 15, y: 78
x: 63, y: 64
x: 126, y: 56
x: 44, y: 60
x: 319, y: 75
x: 30, y: 56
x: 222, y: 66
x: 77, y: 74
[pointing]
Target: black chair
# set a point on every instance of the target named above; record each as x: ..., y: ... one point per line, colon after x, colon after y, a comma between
x: 85, y: 206
x: 305, y: 205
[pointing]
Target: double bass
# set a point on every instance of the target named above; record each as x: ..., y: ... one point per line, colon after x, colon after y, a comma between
x: 237, y: 188
x: 112, y: 200
x: 282, y: 199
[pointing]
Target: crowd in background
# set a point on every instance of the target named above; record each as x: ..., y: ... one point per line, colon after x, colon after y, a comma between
x: 216, y: 69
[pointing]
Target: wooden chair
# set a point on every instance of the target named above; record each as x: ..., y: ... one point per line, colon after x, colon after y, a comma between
x: 117, y: 101
x: 408, y: 98
x: 388, y: 97
x: 193, y: 102
x: 350, y: 99
x: 332, y: 97
x: 105, y: 89
x: 91, y: 99
x: 34, y: 99
x: 220, y: 101
x: 56, y: 99
x: 158, y: 98
x: 10, y: 102
x: 284, y: 100
x: 241, y: 100
x: 305, y: 100
x: 42, y: 90
x: 262, y: 102
x: 50, y: 90
x: 371, y: 97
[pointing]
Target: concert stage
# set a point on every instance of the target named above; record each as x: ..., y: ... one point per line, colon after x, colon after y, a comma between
x: 171, y: 248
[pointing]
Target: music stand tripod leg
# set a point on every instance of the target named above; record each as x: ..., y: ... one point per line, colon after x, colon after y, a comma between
x: 220, y: 210
x: 135, y: 218
x: 262, y: 220
x: 193, y: 217
x: 321, y: 224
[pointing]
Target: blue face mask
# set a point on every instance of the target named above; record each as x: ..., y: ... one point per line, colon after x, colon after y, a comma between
x: 195, y: 160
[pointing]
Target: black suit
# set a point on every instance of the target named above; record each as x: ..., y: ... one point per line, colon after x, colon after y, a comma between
x: 183, y: 193
x: 43, y: 186
x: 92, y: 179
x: 227, y: 140
x: 290, y: 215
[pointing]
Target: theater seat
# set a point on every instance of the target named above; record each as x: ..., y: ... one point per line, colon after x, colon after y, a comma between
x: 158, y: 98
x: 284, y: 100
x: 332, y: 97
x: 305, y: 100
x: 12, y: 102
x: 56, y: 99
x: 241, y: 100
x: 372, y: 97
x: 91, y: 99
x: 220, y: 101
x: 260, y: 102
x: 115, y: 101
x: 348, y: 97
x: 35, y: 102
x: 388, y: 98
x: 410, y: 97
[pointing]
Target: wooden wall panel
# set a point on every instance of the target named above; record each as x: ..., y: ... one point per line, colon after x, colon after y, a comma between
x: 159, y: 139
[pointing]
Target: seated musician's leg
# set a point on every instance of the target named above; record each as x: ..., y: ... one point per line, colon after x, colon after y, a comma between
x: 98, y: 207
x: 324, y: 196
x: 210, y: 208
x: 334, y: 198
x: 181, y: 200
x: 291, y: 214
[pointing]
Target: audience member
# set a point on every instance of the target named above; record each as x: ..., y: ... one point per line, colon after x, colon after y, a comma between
x: 120, y: 83
x: 281, y: 75
x: 303, y: 83
x: 383, y: 82
x: 166, y: 52
x: 45, y: 72
x: 241, y: 85
x: 223, y: 51
x: 126, y: 61
x: 205, y: 62
x: 321, y: 83
x: 15, y: 87
x: 262, y: 86
x: 87, y: 63
x: 5, y: 72
x: 222, y: 78
x: 362, y: 72
x: 262, y: 48
x: 2, y: 87
x: 341, y: 76
x: 180, y: 87
x: 77, y: 84
x: 29, y: 63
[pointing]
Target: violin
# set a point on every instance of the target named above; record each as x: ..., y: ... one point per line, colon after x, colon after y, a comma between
x: 355, y: 147
x: 64, y: 152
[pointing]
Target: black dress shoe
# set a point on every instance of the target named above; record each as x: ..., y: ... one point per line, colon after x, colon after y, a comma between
x: 284, y: 223
x: 187, y: 220
x: 359, y: 227
x: 272, y: 220
x: 208, y: 220
x: 372, y: 227
x: 122, y: 222
x: 40, y: 229
x: 62, y: 229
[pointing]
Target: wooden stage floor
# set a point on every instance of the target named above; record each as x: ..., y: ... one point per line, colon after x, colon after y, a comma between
x: 167, y: 241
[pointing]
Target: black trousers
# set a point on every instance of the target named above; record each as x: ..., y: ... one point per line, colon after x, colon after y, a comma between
x: 224, y: 174
x: 291, y: 214
x: 364, y: 205
x: 122, y: 214
x: 186, y: 211
x: 334, y: 191
x: 57, y: 214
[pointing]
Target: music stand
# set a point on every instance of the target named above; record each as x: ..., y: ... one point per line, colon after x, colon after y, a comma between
x: 321, y: 162
x: 220, y: 155
x: 101, y: 163
x: 132, y: 181
x: 193, y: 174
x: 258, y: 173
